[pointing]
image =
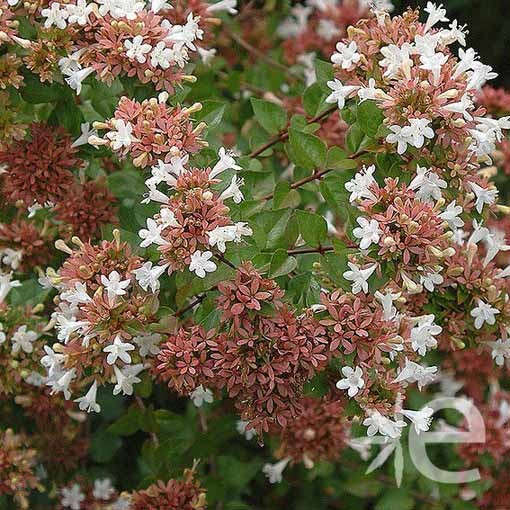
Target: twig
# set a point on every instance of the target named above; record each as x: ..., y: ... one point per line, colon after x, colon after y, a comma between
x: 281, y: 137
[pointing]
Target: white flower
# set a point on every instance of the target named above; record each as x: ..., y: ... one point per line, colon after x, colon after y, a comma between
x: 207, y: 55
x: 223, y: 5
x: 167, y: 218
x: 340, y: 92
x: 122, y: 137
x: 422, y: 335
x: 359, y: 277
x: 148, y: 344
x: 386, y: 301
x: 396, y: 59
x: 430, y: 279
x: 160, y: 5
x: 161, y: 56
x: 72, y: 497
x: 103, y: 489
x: 500, y: 351
x: 397, y: 136
x: 421, y: 419
x: 185, y: 34
x: 359, y: 186
x: 368, y: 232
x: 414, y: 372
x: 436, y: 15
x: 456, y: 33
x: 118, y: 350
x: 242, y: 229
x: 414, y: 134
x: 483, y: 196
x: 126, y: 378
x: 121, y: 8
x: 371, y: 92
x: 451, y: 216
x: 226, y: 162
x: 379, y: 424
x: 148, y: 276
x: 201, y: 395
x: 86, y: 133
x: 88, y: 402
x: 274, y: 472
x: 461, y: 107
x: 2, y: 334
x: 353, y: 381
x: 346, y: 55
x: 480, y: 75
x: 328, y: 29
x: 201, y: 264
x: 6, y: 284
x: 428, y: 185
x: 136, y: 49
x: 495, y: 241
x: 23, y: 339
x: 67, y: 326
x: 77, y: 294
x: 434, y: 63
x: 152, y: 234
x: 79, y: 13
x: 114, y: 286
x: 11, y: 258
x: 241, y: 428
x: 221, y: 235
x: 123, y: 503
x: 52, y: 361
x: 426, y: 44
x: 55, y: 15
x: 484, y: 312
x: 233, y: 190
x: 62, y: 383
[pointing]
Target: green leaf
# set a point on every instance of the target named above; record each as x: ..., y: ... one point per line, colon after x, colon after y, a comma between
x: 211, y: 113
x: 307, y: 151
x: 313, y: 99
x: 29, y: 292
x: 312, y: 227
x: 281, y: 264
x: 127, y: 424
x: 370, y: 117
x: 395, y: 499
x: 338, y: 160
x: 356, y: 138
x: 323, y: 70
x: 270, y: 116
x: 36, y: 92
x: 104, y: 445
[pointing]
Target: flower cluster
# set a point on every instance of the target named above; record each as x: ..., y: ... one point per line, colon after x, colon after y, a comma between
x: 194, y: 219
x: 261, y: 360
x: 150, y: 131
x: 101, y: 321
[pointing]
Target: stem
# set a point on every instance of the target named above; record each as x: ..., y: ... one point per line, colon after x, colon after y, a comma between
x: 142, y: 407
x: 303, y: 251
x: 281, y: 137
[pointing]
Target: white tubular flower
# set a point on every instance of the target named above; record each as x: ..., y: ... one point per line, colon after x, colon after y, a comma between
x: 368, y: 232
x: 126, y: 378
x: 379, y: 424
x: 79, y: 13
x: 226, y: 162
x: 386, y: 301
x: 451, y: 216
x: 422, y: 335
x: 483, y: 196
x: 420, y: 419
x: 436, y: 14
x: 148, y: 276
x: 221, y: 235
x: 484, y: 313
x: 103, y: 489
x: 397, y: 59
x: 352, y: 382
x: 224, y: 5
x: 114, y: 286
x: 86, y: 133
x: 340, y: 92
x: 201, y: 264
x: 72, y: 497
x: 200, y: 396
x: 6, y: 284
x: 359, y: 277
x: 241, y: 427
x: 415, y: 373
x: 500, y: 351
x: 428, y: 185
x: 434, y: 63
x: 148, y: 344
x: 136, y: 49
x: 22, y: 340
x: 233, y: 190
x: 118, y: 350
x: 122, y: 136
x: 346, y: 55
x: 274, y: 472
x: 359, y: 186
x: 62, y: 383
x: 55, y: 15
x: 88, y: 402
